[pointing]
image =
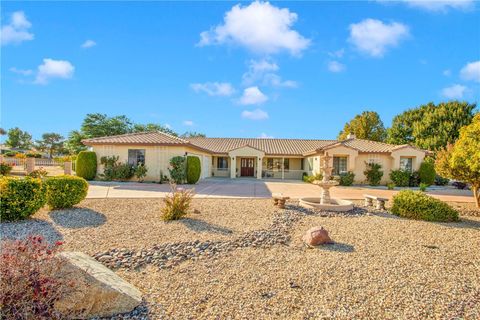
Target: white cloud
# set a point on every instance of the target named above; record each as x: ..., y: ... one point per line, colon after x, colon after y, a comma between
x: 260, y: 27
x: 264, y: 72
x: 188, y: 123
x: 337, y: 54
x: 455, y: 91
x: 17, y: 31
x: 253, y: 95
x: 471, y: 71
x: 335, y: 66
x: 256, y: 114
x: 447, y: 73
x: 214, y: 88
x: 440, y: 5
x: 374, y: 37
x: 51, y: 69
x: 88, y: 44
x: 23, y: 72
x: 265, y: 136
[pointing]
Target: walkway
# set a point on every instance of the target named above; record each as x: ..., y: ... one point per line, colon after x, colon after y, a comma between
x: 252, y: 188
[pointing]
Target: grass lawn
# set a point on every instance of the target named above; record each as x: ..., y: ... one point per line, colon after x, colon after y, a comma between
x: 381, y: 266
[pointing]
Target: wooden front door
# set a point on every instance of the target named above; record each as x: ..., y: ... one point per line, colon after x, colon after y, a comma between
x: 247, y: 167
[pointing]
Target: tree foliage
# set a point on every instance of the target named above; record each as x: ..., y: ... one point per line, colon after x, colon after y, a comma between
x: 367, y: 125
x: 51, y: 142
x: 74, y: 142
x: 431, y: 126
x: 461, y: 161
x: 193, y: 134
x: 16, y: 138
x: 138, y: 127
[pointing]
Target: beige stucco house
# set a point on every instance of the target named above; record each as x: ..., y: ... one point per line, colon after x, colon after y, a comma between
x: 256, y: 157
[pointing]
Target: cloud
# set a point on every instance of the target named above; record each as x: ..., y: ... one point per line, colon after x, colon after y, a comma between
x: 335, y: 66
x: 455, y: 91
x: 374, y: 37
x: 88, y: 44
x: 214, y: 88
x: 260, y: 27
x: 264, y: 72
x: 265, y: 136
x: 337, y: 54
x: 439, y: 5
x: 51, y: 69
x: 17, y: 30
x: 23, y: 72
x: 188, y: 123
x: 256, y: 114
x: 253, y: 95
x: 471, y: 71
x: 447, y: 73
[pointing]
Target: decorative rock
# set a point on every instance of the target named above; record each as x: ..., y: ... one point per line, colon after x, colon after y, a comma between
x: 98, y: 291
x: 316, y: 236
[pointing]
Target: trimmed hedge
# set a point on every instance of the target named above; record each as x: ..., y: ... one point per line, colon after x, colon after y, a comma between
x: 20, y: 198
x: 193, y: 169
x: 86, y: 165
x: 427, y: 172
x: 419, y: 206
x: 65, y: 191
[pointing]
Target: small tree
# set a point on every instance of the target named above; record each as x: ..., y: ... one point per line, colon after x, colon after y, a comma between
x: 177, y: 169
x: 193, y: 169
x: 427, y: 171
x: 461, y: 161
x: 86, y: 165
x: 51, y: 142
x: 373, y: 173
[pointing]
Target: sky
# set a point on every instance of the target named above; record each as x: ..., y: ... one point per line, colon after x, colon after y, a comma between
x: 234, y: 69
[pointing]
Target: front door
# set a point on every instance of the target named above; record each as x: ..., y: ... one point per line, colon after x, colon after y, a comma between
x: 247, y: 167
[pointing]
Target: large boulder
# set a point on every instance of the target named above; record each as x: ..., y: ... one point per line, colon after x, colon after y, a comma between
x: 316, y: 236
x: 98, y: 291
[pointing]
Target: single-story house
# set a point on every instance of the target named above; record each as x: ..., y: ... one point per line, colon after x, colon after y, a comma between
x: 256, y: 157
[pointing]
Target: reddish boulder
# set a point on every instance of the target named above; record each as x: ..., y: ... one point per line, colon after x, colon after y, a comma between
x: 316, y: 236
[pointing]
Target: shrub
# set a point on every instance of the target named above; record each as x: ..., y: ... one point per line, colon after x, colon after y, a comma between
x: 401, y: 178
x: 423, y: 186
x: 29, y: 281
x: 346, y: 179
x: 20, y: 198
x: 86, y: 165
x: 419, y: 206
x: 459, y: 185
x: 123, y: 171
x: 440, y: 181
x: 177, y: 203
x: 38, y: 173
x: 10, y: 154
x: 20, y: 155
x: 373, y: 173
x: 177, y: 169
x: 141, y: 172
x: 310, y: 179
x: 390, y: 186
x: 33, y: 155
x: 427, y: 171
x: 414, y: 179
x: 194, y: 169
x: 5, y: 168
x: 65, y: 191
x: 113, y: 170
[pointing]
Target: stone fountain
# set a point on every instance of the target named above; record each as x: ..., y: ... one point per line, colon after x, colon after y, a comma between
x: 324, y: 202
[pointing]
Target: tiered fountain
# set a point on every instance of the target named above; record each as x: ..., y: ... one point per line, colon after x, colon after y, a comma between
x: 324, y: 202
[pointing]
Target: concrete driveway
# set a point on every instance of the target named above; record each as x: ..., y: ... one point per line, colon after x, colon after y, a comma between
x: 252, y: 188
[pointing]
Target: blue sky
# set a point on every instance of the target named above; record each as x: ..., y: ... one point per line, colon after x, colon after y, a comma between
x: 278, y: 69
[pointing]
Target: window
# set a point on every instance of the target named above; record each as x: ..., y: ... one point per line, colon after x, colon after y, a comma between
x: 339, y: 165
x: 136, y: 156
x: 222, y: 163
x: 275, y: 164
x: 406, y: 164
x: 286, y: 164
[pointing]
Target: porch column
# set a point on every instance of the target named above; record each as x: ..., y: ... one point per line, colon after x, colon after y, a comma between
x: 233, y: 168
x: 283, y: 168
x: 259, y: 168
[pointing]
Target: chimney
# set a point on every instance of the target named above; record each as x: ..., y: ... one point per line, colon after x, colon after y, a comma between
x: 351, y: 136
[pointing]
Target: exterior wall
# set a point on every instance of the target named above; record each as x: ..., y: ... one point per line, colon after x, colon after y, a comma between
x: 293, y: 173
x: 221, y: 173
x: 408, y: 152
x: 245, y: 152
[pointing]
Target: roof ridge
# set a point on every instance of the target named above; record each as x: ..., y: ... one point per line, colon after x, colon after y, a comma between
x: 269, y: 139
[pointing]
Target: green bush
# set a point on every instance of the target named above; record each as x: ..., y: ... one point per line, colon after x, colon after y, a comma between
x: 33, y: 155
x: 86, y: 165
x: 310, y: 179
x: 177, y: 204
x: 177, y: 169
x: 10, y: 154
x: 65, y: 191
x: 38, y: 173
x: 373, y: 173
x: 390, y: 186
x: 419, y: 206
x: 441, y: 181
x: 401, y: 178
x: 113, y: 170
x: 194, y: 168
x: 427, y: 172
x: 346, y: 179
x: 414, y: 179
x: 20, y: 198
x: 423, y: 186
x: 5, y: 168
x: 141, y: 172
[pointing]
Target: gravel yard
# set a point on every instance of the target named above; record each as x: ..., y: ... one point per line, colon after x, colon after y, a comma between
x: 245, y: 259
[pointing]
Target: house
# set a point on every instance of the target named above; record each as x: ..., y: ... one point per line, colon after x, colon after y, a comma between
x: 256, y: 157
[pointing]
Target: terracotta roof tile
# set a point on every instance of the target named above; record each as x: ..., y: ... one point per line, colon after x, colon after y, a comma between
x: 145, y: 138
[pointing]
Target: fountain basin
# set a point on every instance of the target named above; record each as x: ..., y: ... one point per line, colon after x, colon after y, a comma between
x: 334, y: 205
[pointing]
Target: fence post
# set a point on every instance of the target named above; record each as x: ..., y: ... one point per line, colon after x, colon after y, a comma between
x: 1, y: 157
x: 67, y: 167
x: 30, y: 164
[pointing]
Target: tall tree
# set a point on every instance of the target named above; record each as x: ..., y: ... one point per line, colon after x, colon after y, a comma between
x: 74, y: 142
x: 461, y: 161
x: 193, y: 134
x: 100, y: 125
x: 16, y: 138
x: 51, y: 142
x: 2, y: 132
x: 138, y: 127
x: 431, y: 126
x: 367, y: 125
